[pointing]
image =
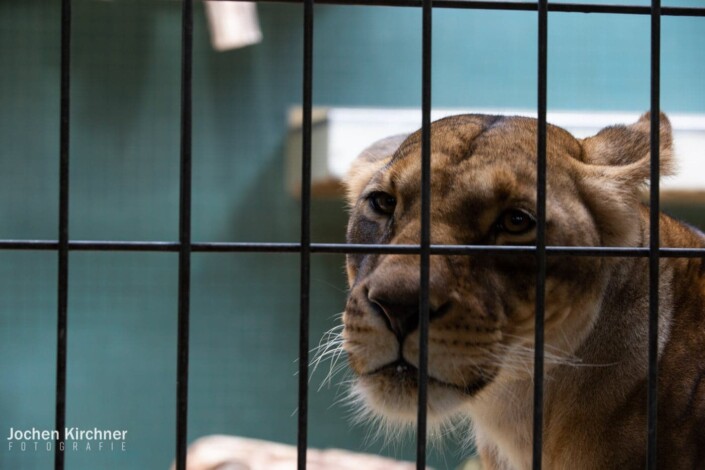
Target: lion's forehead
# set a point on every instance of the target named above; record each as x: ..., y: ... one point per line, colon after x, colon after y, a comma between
x: 461, y: 137
x: 480, y: 179
x: 491, y: 160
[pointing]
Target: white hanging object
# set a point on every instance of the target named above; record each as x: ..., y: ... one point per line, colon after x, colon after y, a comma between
x: 233, y: 24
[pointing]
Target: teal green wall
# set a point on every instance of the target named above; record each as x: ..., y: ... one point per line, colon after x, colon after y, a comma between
x: 124, y: 186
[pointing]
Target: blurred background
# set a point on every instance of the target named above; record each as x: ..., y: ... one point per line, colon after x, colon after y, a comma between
x: 125, y: 85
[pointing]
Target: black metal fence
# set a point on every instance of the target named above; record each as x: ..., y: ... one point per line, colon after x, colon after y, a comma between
x: 64, y: 245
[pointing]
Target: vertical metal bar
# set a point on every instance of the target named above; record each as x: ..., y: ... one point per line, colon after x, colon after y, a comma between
x: 305, y: 263
x: 184, y: 236
x: 63, y: 251
x: 540, y: 232
x: 425, y: 251
x: 654, y: 236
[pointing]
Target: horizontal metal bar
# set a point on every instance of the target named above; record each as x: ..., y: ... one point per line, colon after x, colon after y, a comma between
x: 342, y: 248
x: 507, y: 6
x: 82, y: 245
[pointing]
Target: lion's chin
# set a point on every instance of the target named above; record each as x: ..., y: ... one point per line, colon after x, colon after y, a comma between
x: 390, y: 394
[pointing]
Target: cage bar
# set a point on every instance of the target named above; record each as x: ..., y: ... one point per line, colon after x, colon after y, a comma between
x: 305, y: 247
x: 654, y: 235
x: 63, y: 242
x: 182, y: 365
x: 425, y: 235
x: 343, y: 248
x: 540, y: 233
x: 507, y: 6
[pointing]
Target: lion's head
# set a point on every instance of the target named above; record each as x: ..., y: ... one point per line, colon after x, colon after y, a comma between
x: 483, y: 192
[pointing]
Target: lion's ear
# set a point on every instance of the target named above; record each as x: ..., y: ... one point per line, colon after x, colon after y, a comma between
x: 617, y: 165
x: 625, y: 151
x: 371, y: 160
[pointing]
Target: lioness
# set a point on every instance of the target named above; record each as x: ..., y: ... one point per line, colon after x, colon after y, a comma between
x: 480, y: 360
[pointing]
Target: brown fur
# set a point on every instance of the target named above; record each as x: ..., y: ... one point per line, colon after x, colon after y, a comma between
x: 482, y: 306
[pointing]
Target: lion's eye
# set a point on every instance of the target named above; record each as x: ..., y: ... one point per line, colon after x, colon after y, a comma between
x: 382, y: 203
x: 516, y: 221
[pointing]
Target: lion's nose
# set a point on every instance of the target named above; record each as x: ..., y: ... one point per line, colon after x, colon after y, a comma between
x: 401, y: 317
x: 401, y: 314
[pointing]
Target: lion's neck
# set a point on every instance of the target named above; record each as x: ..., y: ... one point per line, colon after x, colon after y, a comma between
x: 503, y: 419
x: 576, y: 397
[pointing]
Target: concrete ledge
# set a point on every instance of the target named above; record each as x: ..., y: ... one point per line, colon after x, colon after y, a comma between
x: 220, y: 452
x: 340, y: 134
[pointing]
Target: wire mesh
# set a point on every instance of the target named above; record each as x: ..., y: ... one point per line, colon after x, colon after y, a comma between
x: 63, y: 245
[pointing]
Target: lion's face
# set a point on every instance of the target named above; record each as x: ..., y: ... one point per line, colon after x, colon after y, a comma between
x: 483, y: 192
